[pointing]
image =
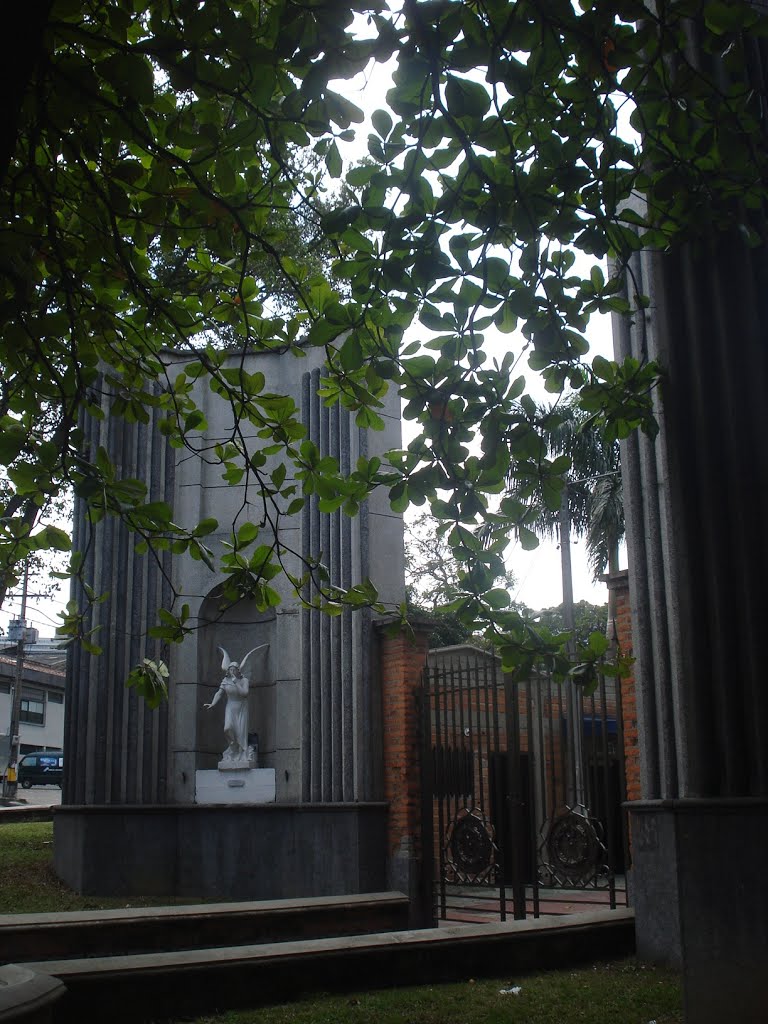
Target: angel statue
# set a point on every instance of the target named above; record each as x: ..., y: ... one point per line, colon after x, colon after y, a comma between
x: 234, y: 686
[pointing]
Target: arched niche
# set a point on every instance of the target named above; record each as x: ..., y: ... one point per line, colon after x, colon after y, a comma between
x: 238, y: 628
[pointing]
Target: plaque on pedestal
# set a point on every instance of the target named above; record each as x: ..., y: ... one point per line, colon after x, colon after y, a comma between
x: 238, y: 786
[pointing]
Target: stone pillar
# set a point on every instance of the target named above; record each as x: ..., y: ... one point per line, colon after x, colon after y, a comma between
x: 696, y: 503
x: 402, y: 659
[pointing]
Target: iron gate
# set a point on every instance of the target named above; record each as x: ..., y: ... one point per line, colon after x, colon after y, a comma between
x: 522, y: 792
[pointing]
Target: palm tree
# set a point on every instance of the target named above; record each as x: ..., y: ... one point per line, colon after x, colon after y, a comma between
x: 592, y: 505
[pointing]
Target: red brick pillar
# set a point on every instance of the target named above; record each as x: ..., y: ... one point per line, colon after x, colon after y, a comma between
x: 402, y: 658
x: 618, y: 584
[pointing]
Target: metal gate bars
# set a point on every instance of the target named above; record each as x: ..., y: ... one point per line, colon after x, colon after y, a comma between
x: 522, y: 791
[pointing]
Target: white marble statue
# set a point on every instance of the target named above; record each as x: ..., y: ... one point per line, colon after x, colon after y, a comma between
x: 234, y: 686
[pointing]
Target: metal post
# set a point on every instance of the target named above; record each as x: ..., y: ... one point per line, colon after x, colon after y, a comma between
x: 10, y: 785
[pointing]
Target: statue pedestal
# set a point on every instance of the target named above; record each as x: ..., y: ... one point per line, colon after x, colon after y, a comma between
x: 235, y: 786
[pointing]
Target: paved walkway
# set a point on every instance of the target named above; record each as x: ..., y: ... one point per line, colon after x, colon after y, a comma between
x: 37, y: 796
x: 478, y: 905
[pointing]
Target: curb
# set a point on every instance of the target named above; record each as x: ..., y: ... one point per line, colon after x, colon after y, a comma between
x: 151, y: 987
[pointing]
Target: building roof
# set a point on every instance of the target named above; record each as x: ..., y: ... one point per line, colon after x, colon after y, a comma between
x: 35, y: 670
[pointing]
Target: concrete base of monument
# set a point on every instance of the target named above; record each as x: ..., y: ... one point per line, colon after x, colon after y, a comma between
x: 700, y: 893
x: 241, y: 851
x: 235, y: 786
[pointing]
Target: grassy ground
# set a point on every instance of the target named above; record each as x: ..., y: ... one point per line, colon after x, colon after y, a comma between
x: 27, y: 881
x: 617, y: 993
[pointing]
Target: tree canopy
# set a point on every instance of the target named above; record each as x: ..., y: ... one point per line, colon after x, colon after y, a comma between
x: 588, y: 618
x: 433, y: 575
x: 501, y: 156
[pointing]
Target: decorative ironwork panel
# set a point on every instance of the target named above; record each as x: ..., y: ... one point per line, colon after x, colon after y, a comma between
x: 470, y: 850
x: 572, y: 852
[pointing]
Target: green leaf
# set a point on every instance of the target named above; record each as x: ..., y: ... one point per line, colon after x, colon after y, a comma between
x: 206, y: 527
x: 351, y: 353
x: 333, y: 161
x: 496, y: 273
x: 528, y: 539
x: 247, y: 533
x: 465, y: 98
x: 13, y: 440
x: 57, y: 539
x: 131, y: 75
x: 498, y: 598
x: 398, y: 498
x: 356, y: 177
x: 150, y: 680
x: 598, y: 643
x: 382, y: 122
x: 722, y: 17
x: 278, y: 475
x: 505, y: 319
x: 603, y: 368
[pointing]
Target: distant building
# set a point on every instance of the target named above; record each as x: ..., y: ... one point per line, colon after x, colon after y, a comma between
x: 42, y: 694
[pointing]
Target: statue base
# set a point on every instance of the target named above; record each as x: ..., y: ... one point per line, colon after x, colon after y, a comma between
x: 235, y: 786
x: 243, y: 765
x: 250, y: 759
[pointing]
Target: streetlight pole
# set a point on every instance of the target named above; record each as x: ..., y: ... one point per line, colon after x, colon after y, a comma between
x: 10, y: 786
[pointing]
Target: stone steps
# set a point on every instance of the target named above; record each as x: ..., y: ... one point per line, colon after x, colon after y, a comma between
x: 154, y: 986
x: 41, y: 937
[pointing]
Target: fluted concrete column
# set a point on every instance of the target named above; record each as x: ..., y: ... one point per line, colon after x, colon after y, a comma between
x: 117, y: 748
x: 696, y: 506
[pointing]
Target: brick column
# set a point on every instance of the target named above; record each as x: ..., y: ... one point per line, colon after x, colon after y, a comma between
x: 618, y: 585
x: 402, y: 656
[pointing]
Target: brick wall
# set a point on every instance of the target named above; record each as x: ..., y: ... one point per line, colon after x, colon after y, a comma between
x: 402, y: 659
x: 618, y: 584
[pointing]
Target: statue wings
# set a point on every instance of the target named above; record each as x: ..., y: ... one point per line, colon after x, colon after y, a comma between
x: 226, y: 661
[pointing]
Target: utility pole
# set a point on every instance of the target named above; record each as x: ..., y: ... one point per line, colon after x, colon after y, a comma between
x: 10, y: 784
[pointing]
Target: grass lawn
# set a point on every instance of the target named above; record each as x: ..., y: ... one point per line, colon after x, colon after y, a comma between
x: 612, y: 993
x: 28, y: 884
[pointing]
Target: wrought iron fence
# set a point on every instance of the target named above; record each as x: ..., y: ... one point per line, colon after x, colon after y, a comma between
x: 522, y: 791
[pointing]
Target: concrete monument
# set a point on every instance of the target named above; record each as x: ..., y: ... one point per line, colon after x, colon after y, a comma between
x: 313, y: 691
